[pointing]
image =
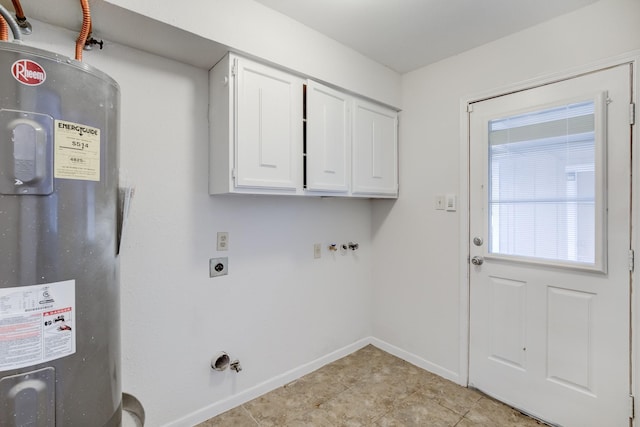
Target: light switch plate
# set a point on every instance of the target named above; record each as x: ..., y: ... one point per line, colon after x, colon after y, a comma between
x: 451, y: 202
x: 317, y: 250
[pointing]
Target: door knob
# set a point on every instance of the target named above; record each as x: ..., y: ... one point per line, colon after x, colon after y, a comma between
x: 477, y: 260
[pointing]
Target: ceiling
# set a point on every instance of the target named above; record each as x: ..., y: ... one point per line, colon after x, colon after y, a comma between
x: 402, y: 34
x: 408, y: 34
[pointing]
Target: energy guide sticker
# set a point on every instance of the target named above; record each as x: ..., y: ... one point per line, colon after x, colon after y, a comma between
x: 37, y: 324
x: 77, y: 151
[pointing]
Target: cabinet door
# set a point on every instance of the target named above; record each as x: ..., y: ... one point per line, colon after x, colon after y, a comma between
x: 268, y: 127
x: 328, y: 139
x: 375, y: 150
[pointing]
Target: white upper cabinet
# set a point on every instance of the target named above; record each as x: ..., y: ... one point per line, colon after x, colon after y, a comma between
x: 256, y: 129
x: 328, y: 139
x: 268, y: 127
x: 262, y: 142
x: 375, y: 150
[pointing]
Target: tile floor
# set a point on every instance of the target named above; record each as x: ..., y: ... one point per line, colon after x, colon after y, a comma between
x: 372, y: 388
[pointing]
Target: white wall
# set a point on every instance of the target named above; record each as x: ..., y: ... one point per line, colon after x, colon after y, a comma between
x: 417, y: 303
x: 277, y: 310
x: 250, y: 27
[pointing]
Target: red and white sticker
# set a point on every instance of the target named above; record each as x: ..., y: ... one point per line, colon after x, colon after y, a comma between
x: 28, y: 72
x: 37, y: 324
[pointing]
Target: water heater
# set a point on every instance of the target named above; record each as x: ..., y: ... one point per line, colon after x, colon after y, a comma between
x: 59, y: 283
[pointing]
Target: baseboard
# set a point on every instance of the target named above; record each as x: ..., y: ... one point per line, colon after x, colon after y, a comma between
x: 231, y: 402
x: 417, y: 361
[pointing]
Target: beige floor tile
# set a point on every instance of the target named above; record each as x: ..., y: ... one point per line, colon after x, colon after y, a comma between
x: 448, y: 394
x: 354, y: 367
x: 359, y: 405
x: 488, y: 412
x: 237, y: 417
x: 467, y: 423
x: 418, y: 411
x: 317, y: 387
x: 372, y: 388
x: 314, y: 418
x: 278, y: 407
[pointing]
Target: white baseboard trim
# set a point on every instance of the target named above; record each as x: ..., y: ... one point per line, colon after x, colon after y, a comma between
x: 231, y: 402
x: 417, y: 361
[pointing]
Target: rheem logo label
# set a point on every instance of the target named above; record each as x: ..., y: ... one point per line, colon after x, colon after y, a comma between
x: 28, y: 72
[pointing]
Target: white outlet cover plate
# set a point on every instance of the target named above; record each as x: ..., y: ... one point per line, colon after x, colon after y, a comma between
x: 223, y: 241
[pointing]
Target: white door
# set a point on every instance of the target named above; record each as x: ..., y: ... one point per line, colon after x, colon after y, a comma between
x: 549, y: 246
x: 328, y: 139
x: 268, y: 127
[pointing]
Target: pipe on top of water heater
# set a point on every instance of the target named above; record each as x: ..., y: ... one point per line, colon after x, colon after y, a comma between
x: 86, y: 29
x: 21, y: 19
x: 18, y: 8
x: 13, y: 25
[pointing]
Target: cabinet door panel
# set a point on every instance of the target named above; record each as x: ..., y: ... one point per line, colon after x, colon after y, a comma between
x: 375, y: 165
x: 268, y: 127
x: 328, y: 139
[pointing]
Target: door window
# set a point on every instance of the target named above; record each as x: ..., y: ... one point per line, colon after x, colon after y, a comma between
x: 545, y: 185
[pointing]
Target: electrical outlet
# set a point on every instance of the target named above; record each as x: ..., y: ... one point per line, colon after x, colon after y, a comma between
x: 317, y: 250
x: 223, y: 241
x: 218, y: 267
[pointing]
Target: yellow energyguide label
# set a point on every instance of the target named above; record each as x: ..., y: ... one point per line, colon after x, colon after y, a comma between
x: 76, y: 151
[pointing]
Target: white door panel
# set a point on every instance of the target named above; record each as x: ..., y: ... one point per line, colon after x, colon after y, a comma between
x: 550, y: 294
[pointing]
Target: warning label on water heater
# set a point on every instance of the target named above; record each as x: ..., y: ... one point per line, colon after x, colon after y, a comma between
x: 76, y: 152
x: 37, y: 324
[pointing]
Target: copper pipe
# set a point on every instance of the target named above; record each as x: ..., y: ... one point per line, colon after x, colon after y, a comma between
x: 18, y: 8
x: 86, y: 27
x: 11, y: 22
x: 4, y: 29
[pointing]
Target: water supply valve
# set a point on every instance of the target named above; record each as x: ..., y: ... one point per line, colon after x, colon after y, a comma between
x: 235, y: 366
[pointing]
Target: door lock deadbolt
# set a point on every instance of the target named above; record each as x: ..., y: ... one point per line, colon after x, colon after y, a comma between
x: 477, y: 241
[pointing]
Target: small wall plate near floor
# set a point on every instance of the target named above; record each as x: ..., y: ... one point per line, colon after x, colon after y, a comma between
x: 218, y: 267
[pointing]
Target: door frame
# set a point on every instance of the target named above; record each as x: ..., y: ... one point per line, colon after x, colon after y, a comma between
x: 463, y: 207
